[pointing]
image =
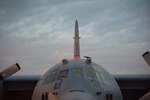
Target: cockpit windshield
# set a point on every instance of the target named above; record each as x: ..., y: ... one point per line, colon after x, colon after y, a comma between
x: 63, y: 74
x: 77, y: 72
x: 50, y: 78
x: 95, y: 75
x: 90, y: 74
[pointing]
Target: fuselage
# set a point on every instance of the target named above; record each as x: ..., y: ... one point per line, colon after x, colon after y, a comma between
x: 77, y: 80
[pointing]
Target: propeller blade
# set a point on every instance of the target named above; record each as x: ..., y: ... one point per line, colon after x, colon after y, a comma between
x: 9, y: 71
x: 146, y: 57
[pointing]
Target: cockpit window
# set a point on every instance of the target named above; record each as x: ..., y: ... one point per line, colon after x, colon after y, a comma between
x: 51, y: 75
x: 63, y: 74
x: 90, y: 74
x: 105, y: 78
x: 54, y: 69
x: 50, y: 78
x: 77, y: 72
x: 101, y: 75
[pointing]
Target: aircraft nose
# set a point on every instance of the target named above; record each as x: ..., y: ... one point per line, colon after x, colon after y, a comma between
x: 77, y: 96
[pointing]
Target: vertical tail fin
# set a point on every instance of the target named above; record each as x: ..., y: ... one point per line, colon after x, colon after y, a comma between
x: 76, y: 42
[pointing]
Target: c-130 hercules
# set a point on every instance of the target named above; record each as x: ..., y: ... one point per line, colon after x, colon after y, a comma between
x: 77, y: 79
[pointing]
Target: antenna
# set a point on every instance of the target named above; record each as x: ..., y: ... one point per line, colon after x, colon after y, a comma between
x: 76, y: 42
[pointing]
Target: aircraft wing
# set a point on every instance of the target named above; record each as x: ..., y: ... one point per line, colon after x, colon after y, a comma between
x: 21, y: 87
x: 133, y: 86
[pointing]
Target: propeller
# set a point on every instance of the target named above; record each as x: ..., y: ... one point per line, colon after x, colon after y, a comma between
x: 9, y: 71
x: 146, y: 57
